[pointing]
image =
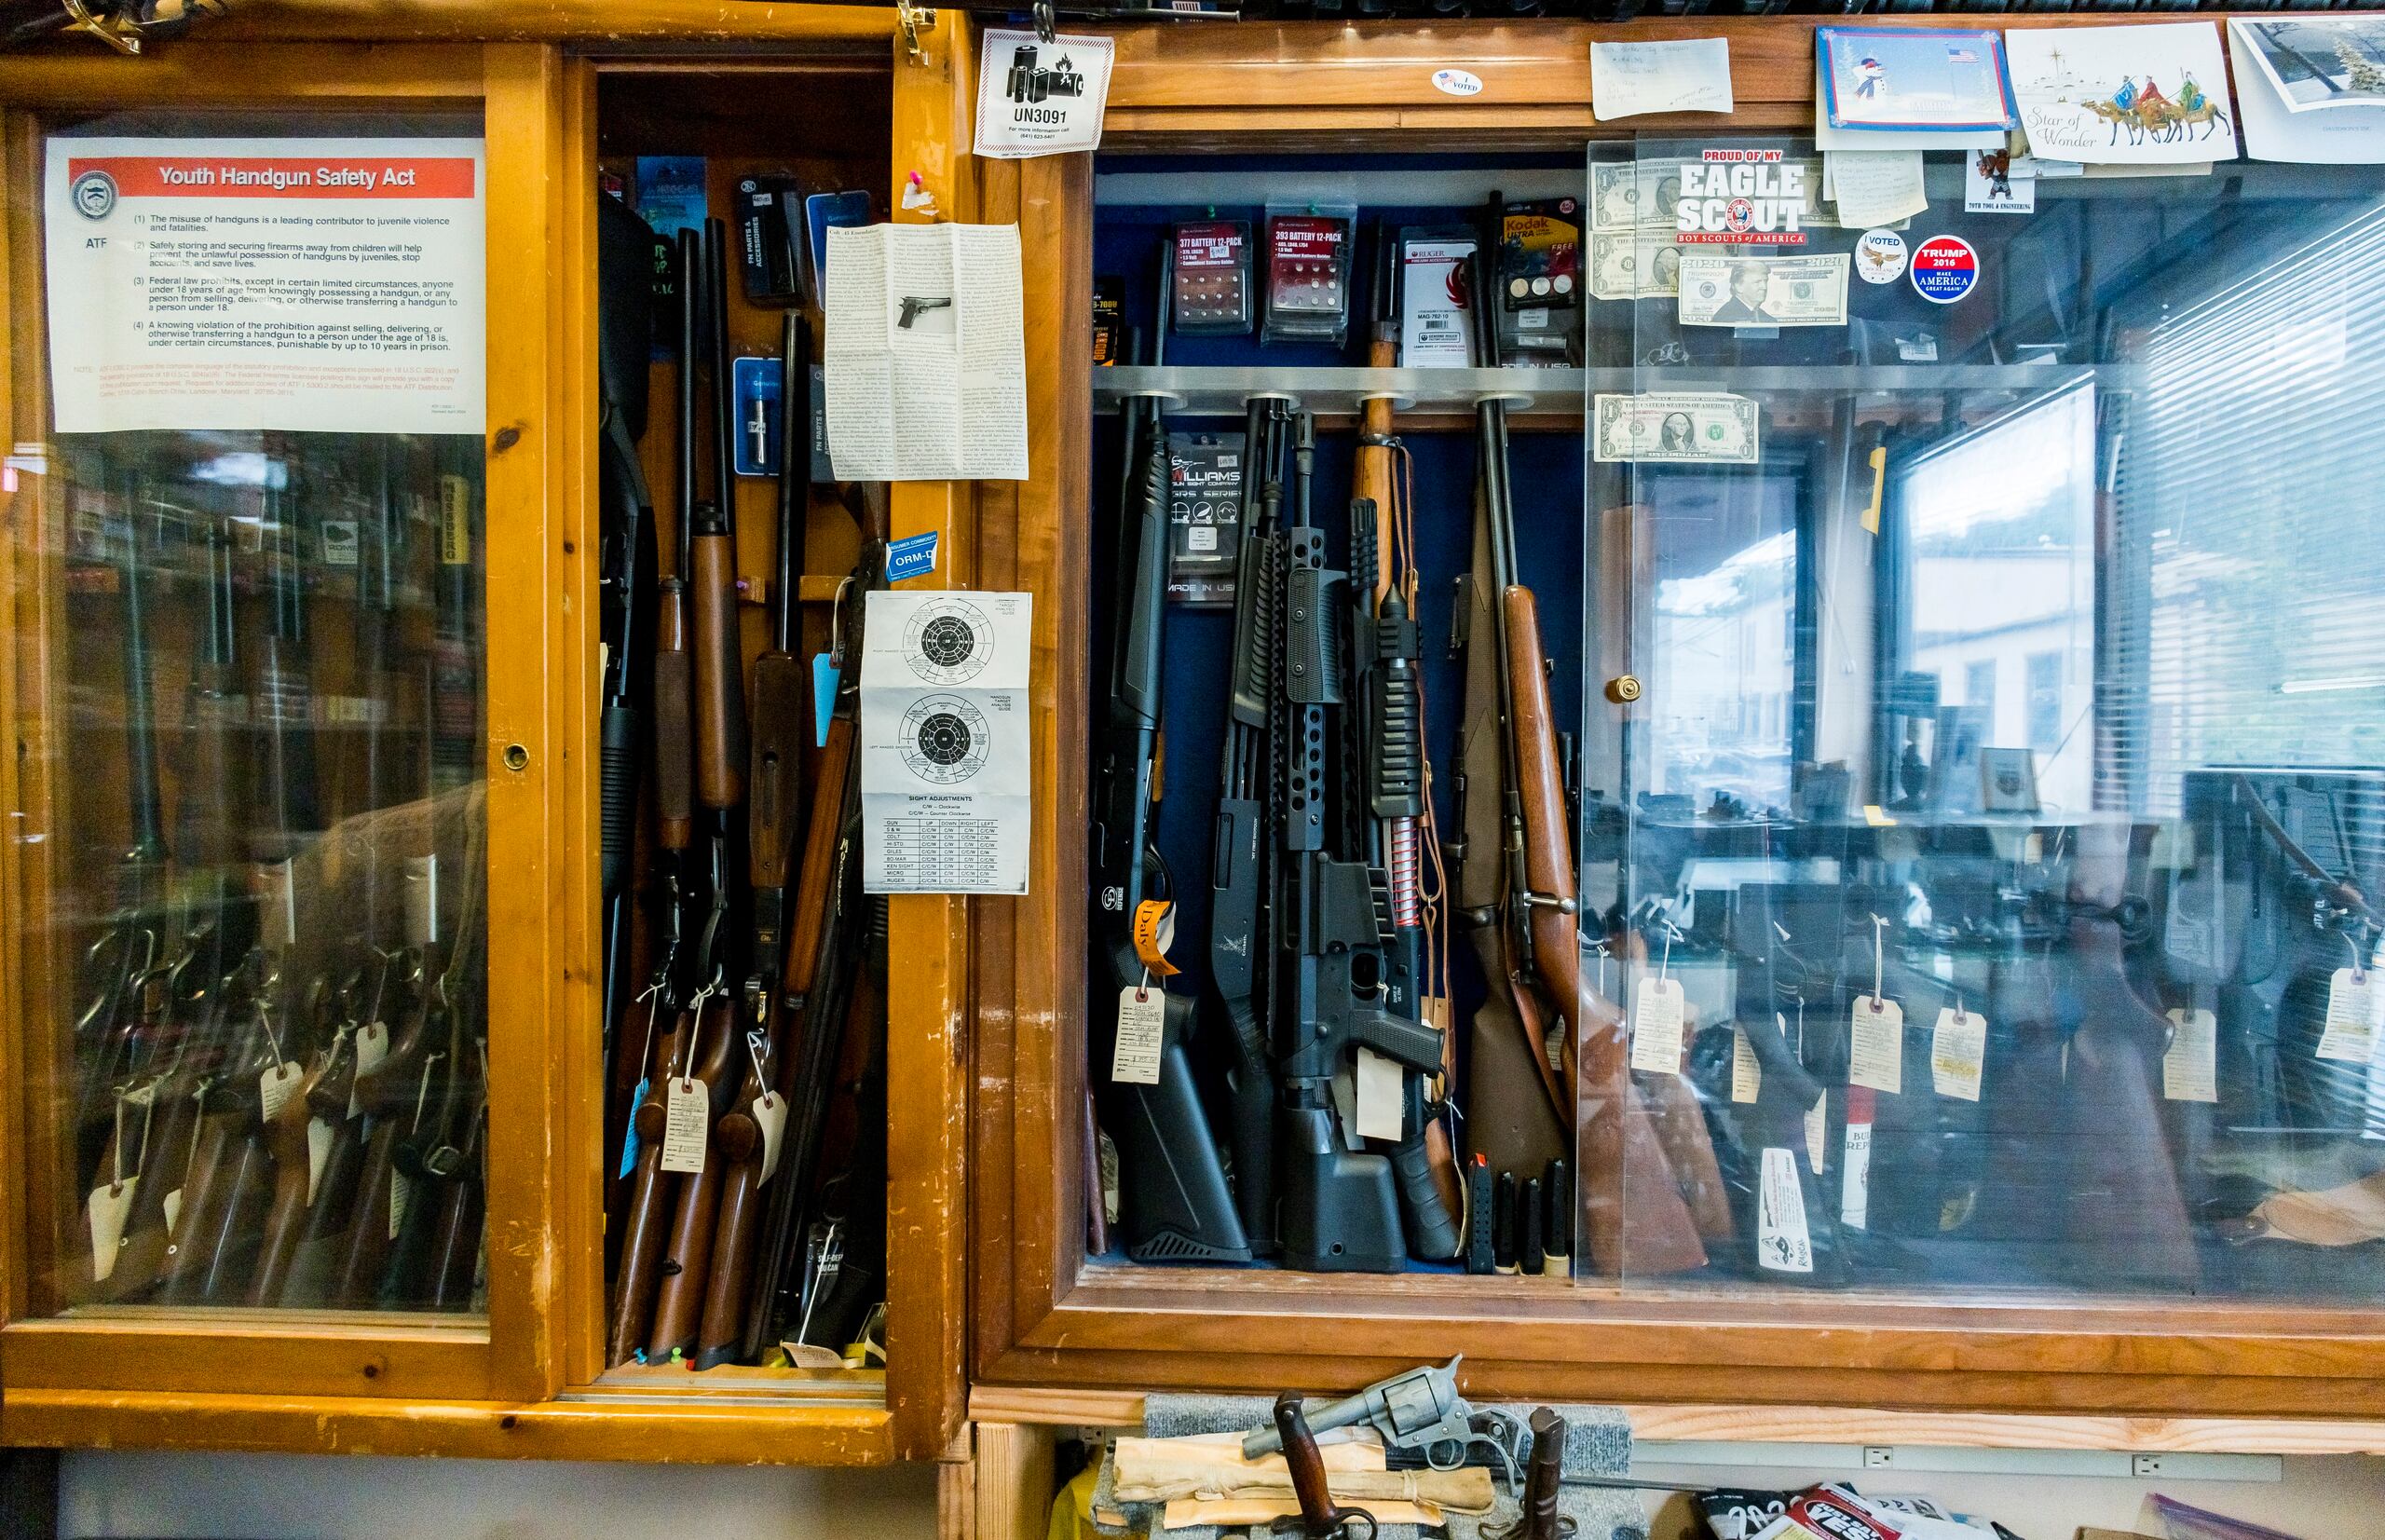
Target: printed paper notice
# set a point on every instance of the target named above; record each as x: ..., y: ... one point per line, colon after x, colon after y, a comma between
x: 943, y: 743
x: 305, y: 285
x: 2190, y: 1064
x: 1690, y: 76
x: 925, y: 353
x: 1036, y: 98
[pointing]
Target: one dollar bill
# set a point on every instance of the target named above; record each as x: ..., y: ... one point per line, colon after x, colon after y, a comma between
x: 1633, y: 265
x: 1675, y: 429
x: 1718, y: 289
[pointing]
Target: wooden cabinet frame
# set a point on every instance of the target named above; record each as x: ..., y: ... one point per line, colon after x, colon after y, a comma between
x: 1045, y: 1316
x: 527, y: 1382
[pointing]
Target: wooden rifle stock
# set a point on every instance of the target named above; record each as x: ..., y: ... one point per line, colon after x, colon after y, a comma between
x: 738, y: 1137
x: 329, y: 1101
x: 456, y: 1245
x: 719, y: 680
x: 385, y: 1096
x: 641, y: 1234
x: 287, y: 1139
x: 679, y: 1304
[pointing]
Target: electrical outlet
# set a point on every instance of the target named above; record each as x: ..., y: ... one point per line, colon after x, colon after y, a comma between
x: 2145, y: 1464
x: 1879, y: 1456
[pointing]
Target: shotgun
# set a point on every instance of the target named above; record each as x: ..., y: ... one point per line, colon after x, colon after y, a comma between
x: 1173, y: 1199
x: 748, y: 1133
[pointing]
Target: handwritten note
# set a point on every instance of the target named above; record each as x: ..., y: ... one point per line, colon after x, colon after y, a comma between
x: 1875, y: 186
x: 1629, y: 79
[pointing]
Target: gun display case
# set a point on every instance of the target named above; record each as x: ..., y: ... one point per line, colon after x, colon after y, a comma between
x: 315, y: 735
x: 1887, y: 660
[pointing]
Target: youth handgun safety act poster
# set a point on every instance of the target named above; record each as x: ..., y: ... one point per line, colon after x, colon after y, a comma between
x: 326, y: 285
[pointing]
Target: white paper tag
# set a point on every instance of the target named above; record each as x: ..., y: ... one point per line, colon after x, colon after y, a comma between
x: 275, y: 1087
x: 1878, y: 1058
x: 1554, y: 1041
x: 1379, y: 1088
x: 318, y: 1150
x: 1855, y: 1189
x: 1108, y: 1160
x: 400, y: 1194
x: 1747, y: 1070
x: 1142, y: 1022
x: 1037, y: 98
x: 1959, y: 1054
x: 1783, y: 1243
x: 371, y: 1047
x: 2355, y: 1009
x: 173, y: 1206
x: 109, y: 1206
x: 2190, y: 1064
x: 1656, y: 1026
x: 687, y: 1119
x: 769, y: 1116
x: 1816, y: 1132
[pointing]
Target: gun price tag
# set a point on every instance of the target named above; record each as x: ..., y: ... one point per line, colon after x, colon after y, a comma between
x: 173, y: 1206
x: 109, y: 1205
x: 628, y: 1137
x: 371, y: 1047
x: 1746, y: 1071
x: 1855, y: 1176
x: 2190, y: 1064
x: 1656, y: 1008
x: 1380, y: 1084
x: 275, y: 1087
x: 1142, y: 1022
x: 1783, y: 1242
x: 769, y: 1116
x: 400, y: 1198
x: 318, y: 1150
x: 2355, y: 1009
x: 1878, y: 1059
x: 1959, y: 1053
x: 687, y: 1118
x: 1154, y: 934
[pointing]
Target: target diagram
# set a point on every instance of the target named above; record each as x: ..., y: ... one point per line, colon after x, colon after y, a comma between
x: 945, y: 739
x: 949, y: 641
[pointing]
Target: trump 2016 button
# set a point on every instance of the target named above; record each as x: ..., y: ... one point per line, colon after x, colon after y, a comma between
x: 1944, y: 269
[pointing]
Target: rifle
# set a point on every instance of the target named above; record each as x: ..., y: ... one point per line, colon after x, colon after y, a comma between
x: 782, y: 715
x: 288, y: 1139
x: 847, y: 1240
x: 387, y: 1094
x: 1173, y: 1198
x: 289, y: 804
x: 820, y: 956
x: 1539, y: 948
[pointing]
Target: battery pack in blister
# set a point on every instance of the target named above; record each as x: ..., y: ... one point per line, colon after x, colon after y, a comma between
x: 1308, y: 276
x: 1540, y: 282
x: 1203, y: 518
x: 1109, y: 320
x: 1212, y: 287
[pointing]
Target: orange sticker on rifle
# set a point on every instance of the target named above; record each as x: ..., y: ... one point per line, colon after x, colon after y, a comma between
x: 1154, y: 934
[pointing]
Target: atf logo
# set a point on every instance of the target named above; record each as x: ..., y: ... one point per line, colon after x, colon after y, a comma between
x: 94, y: 194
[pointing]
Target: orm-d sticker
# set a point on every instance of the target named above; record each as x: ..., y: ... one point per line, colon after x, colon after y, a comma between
x: 1880, y: 256
x: 1457, y: 82
x: 1945, y: 269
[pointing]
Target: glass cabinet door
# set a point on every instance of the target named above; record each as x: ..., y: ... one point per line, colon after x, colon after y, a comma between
x: 250, y: 687
x: 2002, y: 807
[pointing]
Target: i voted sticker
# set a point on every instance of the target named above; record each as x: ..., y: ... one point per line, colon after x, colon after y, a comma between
x: 1945, y: 269
x: 1880, y: 256
x: 1457, y: 82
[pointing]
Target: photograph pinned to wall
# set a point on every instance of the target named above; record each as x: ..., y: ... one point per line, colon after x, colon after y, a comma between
x: 1993, y: 184
x: 2350, y: 133
x: 2152, y: 95
x: 2322, y: 62
x: 1882, y: 90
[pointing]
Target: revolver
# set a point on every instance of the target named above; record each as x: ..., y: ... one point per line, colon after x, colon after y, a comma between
x: 915, y: 306
x: 1418, y: 1414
